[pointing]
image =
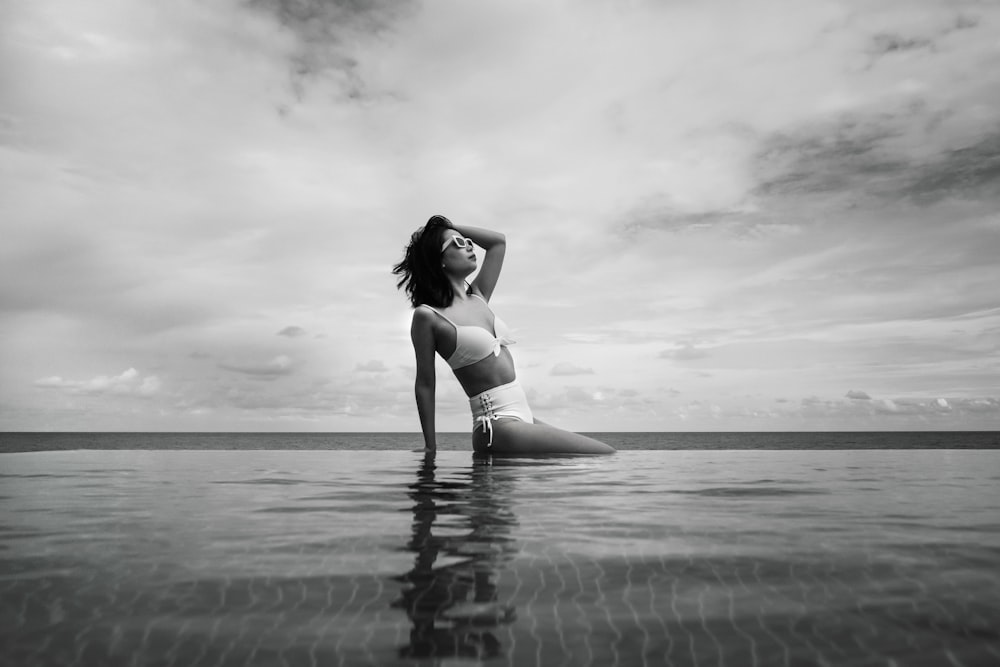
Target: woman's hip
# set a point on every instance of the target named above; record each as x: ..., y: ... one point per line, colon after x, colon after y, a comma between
x: 507, y: 401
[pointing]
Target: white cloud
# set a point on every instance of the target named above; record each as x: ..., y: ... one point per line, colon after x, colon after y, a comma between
x: 150, y: 385
x: 273, y: 368
x: 128, y: 383
x: 685, y: 352
x: 566, y: 368
x: 372, y: 366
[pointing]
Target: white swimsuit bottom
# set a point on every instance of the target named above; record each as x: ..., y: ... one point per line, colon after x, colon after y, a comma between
x: 507, y: 400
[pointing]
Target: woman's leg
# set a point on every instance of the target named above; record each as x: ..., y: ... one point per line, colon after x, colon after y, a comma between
x: 513, y: 436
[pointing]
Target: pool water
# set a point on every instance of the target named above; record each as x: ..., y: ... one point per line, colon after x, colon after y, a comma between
x: 382, y: 558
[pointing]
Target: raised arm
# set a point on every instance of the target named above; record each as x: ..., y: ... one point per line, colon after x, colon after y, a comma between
x: 495, y: 245
x: 422, y: 335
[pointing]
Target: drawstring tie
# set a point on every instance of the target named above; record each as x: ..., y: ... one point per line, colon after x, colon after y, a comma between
x: 486, y: 420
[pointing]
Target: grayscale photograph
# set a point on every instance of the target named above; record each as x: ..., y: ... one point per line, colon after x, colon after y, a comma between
x: 439, y: 333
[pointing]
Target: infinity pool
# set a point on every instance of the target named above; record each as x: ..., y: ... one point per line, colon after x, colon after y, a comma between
x: 380, y: 558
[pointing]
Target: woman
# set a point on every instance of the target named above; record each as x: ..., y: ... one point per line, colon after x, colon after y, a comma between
x: 452, y: 318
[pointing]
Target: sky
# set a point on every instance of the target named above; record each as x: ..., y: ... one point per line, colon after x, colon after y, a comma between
x: 720, y: 214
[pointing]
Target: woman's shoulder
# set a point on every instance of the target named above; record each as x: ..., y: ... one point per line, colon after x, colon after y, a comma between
x: 423, y: 312
x: 423, y: 321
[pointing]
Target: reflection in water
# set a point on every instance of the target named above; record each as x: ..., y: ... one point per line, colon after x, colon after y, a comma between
x: 454, y: 607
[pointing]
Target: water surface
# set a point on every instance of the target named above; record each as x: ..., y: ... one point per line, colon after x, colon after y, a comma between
x: 377, y: 557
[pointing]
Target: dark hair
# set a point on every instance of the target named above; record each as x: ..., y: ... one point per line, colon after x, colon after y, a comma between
x: 420, y: 272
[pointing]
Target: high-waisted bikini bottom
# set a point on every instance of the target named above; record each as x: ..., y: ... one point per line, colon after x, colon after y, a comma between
x: 507, y: 400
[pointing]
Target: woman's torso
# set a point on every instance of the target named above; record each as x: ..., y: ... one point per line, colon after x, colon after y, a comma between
x: 469, y: 319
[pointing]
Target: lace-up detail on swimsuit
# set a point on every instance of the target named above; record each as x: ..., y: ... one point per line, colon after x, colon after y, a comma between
x: 485, y: 414
x: 504, y: 402
x: 474, y: 343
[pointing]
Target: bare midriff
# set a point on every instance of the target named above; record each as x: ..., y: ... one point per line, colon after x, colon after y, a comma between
x: 491, y: 371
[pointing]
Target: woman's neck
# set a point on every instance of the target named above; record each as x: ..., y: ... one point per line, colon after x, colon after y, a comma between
x: 459, y: 286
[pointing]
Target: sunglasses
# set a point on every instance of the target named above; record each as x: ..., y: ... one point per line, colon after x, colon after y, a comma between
x: 459, y: 242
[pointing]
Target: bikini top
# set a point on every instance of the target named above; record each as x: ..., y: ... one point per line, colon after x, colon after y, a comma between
x: 474, y: 343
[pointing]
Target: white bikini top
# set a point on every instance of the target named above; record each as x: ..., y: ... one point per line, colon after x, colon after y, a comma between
x: 474, y: 343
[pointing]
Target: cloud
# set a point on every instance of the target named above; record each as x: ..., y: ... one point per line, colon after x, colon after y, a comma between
x: 849, y: 155
x: 292, y: 332
x: 952, y: 412
x: 811, y: 401
x: 609, y: 400
x: 865, y: 157
x: 971, y: 172
x: 686, y: 352
x: 380, y: 398
x: 129, y: 383
x: 886, y: 43
x: 980, y: 405
x: 373, y: 366
x: 276, y: 367
x: 858, y: 395
x: 566, y: 368
x: 325, y: 31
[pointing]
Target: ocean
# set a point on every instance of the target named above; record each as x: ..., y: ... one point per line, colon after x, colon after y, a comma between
x: 40, y: 441
x: 349, y: 549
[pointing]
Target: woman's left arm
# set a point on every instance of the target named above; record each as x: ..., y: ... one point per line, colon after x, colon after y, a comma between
x: 495, y: 245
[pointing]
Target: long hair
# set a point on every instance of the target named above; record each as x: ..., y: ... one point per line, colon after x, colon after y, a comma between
x: 420, y: 272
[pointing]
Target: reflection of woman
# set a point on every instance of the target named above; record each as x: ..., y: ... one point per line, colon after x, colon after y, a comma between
x: 452, y: 318
x: 452, y: 608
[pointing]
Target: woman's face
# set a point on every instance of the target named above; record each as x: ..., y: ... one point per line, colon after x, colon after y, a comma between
x: 455, y: 258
